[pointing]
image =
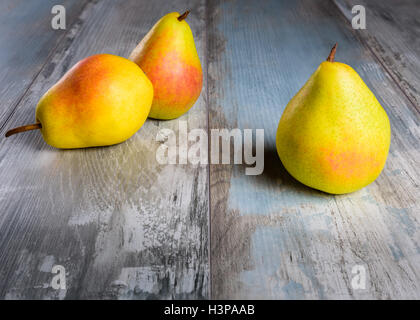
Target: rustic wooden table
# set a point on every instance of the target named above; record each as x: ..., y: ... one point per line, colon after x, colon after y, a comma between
x: 126, y: 227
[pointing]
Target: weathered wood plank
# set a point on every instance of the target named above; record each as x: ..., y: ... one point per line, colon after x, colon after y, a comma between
x: 122, y: 225
x: 272, y: 237
x: 27, y: 40
x: 393, y: 34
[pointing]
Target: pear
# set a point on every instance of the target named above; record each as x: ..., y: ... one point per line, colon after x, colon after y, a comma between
x: 334, y: 135
x: 168, y: 56
x: 103, y: 100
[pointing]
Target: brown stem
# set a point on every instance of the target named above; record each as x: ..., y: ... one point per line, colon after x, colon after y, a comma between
x: 332, y: 53
x: 184, y: 15
x: 28, y: 127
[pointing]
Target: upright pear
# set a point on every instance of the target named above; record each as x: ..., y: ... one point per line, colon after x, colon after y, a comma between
x: 334, y: 135
x: 168, y: 56
x: 103, y: 100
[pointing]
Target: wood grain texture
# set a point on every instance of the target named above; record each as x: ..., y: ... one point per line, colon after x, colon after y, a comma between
x: 123, y: 226
x: 272, y: 237
x: 393, y: 35
x: 27, y: 40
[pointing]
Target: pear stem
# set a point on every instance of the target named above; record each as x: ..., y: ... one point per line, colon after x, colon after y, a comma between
x: 184, y: 15
x: 28, y: 127
x: 332, y: 53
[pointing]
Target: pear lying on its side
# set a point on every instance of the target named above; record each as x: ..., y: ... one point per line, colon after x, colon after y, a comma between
x: 103, y: 100
x: 168, y: 56
x: 334, y: 135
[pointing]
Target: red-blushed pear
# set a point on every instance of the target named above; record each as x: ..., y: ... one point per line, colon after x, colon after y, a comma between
x: 168, y: 56
x: 103, y: 100
x: 334, y: 135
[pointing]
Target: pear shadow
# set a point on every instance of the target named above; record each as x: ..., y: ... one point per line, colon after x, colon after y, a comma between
x: 275, y: 173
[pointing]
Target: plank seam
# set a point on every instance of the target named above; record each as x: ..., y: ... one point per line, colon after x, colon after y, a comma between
x: 207, y: 46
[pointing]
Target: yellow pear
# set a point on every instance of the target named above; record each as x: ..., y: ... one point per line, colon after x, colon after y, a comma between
x: 103, y: 100
x: 334, y: 135
x: 168, y: 56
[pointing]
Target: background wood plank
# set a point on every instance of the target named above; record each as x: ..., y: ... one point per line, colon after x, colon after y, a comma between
x: 122, y: 225
x: 272, y: 237
x: 27, y: 40
x: 393, y: 35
